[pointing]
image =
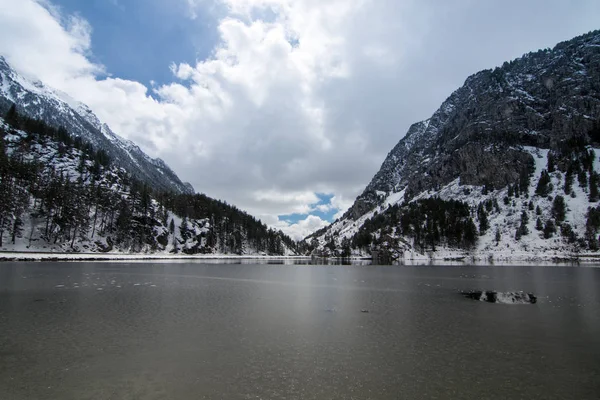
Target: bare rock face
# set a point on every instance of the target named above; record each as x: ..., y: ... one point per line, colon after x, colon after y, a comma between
x: 541, y: 99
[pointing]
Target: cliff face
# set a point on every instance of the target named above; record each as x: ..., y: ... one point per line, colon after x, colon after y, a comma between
x: 487, y: 133
x: 538, y: 100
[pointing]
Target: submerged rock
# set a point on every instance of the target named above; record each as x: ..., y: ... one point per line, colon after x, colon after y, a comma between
x: 501, y: 297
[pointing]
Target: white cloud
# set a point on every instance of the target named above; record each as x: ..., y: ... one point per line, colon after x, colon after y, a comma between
x: 44, y: 44
x: 299, y: 96
x: 302, y: 228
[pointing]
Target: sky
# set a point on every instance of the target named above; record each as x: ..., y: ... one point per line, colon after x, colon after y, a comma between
x: 285, y: 108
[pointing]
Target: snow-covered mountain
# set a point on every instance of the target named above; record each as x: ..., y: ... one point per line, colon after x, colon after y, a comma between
x: 37, y: 100
x: 513, y: 144
x: 59, y: 194
x: 70, y: 184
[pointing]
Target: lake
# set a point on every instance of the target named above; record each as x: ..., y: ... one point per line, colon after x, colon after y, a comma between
x: 256, y: 331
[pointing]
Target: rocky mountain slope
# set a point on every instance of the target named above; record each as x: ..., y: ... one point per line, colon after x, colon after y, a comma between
x: 58, y: 193
x: 57, y: 109
x: 507, y: 145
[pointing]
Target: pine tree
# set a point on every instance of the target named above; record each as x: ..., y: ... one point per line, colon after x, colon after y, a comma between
x: 549, y: 229
x: 594, y: 178
x: 539, y: 225
x: 524, y: 181
x: 544, y: 186
x: 12, y: 117
x: 582, y: 178
x: 470, y: 235
x: 559, y: 209
x: 483, y: 220
x: 568, y: 188
x: 524, y: 221
x: 551, y: 163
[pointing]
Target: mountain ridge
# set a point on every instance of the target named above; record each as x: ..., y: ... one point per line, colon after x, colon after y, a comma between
x: 485, y: 137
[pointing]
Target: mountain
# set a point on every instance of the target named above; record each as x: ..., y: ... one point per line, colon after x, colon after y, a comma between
x: 68, y: 184
x: 491, y: 169
x: 57, y: 109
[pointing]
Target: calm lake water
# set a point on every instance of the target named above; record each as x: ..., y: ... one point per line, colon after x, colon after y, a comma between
x: 230, y: 331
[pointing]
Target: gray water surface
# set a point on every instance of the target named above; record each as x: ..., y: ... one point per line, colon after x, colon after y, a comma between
x: 200, y: 331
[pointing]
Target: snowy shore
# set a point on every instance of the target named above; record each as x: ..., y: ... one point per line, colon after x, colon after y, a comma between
x: 41, y: 256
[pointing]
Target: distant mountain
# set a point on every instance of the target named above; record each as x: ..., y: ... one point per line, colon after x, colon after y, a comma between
x: 57, y: 109
x: 508, y: 146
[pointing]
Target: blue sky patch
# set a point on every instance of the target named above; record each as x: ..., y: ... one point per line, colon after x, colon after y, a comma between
x: 322, y: 209
x: 139, y: 39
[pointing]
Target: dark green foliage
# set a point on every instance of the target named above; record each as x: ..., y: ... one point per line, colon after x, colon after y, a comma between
x: 41, y: 129
x: 525, y: 180
x: 228, y: 220
x: 567, y: 232
x: 594, y: 180
x: 489, y: 205
x: 483, y: 219
x: 592, y: 226
x: 582, y: 178
x: 551, y: 163
x: 544, y: 186
x: 538, y: 210
x: 469, y: 234
x: 362, y: 240
x: 559, y: 209
x: 523, y: 230
x: 539, y: 225
x: 569, y: 181
x: 346, y: 250
x: 184, y: 230
x: 486, y: 189
x: 593, y: 219
x: 430, y: 222
x: 549, y: 229
x: 12, y: 117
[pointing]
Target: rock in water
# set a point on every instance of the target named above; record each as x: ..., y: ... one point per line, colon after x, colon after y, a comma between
x: 501, y: 297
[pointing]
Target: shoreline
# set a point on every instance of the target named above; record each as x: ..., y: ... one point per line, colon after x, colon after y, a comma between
x: 56, y: 256
x: 456, y: 260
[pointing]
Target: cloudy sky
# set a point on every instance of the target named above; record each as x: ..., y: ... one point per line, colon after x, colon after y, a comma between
x: 285, y: 108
